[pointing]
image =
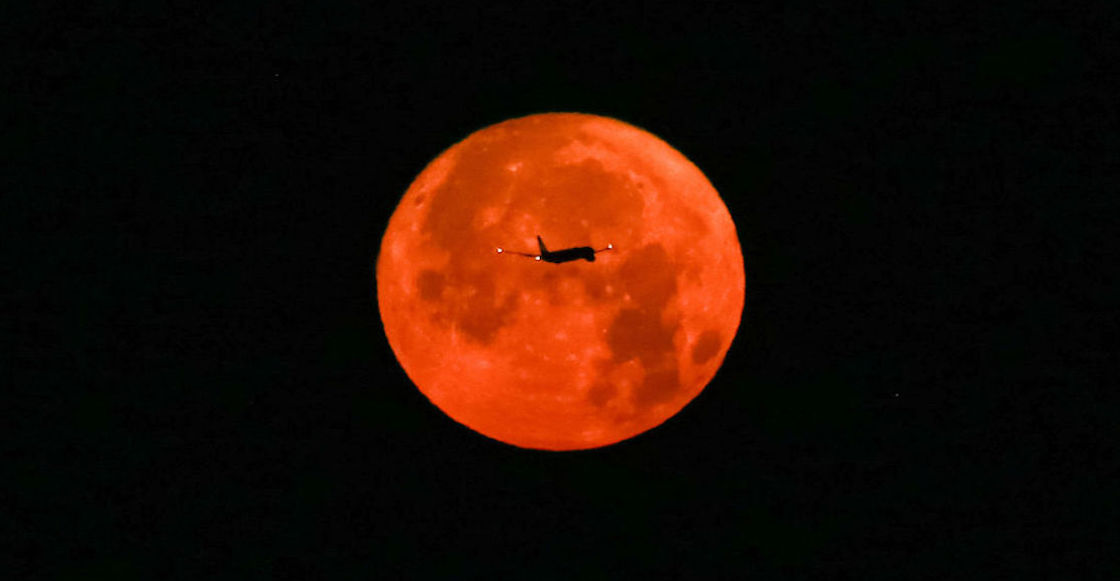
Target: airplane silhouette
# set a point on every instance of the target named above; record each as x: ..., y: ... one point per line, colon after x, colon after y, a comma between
x: 565, y: 255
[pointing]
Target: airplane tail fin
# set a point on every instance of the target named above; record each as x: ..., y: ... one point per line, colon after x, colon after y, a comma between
x: 541, y: 244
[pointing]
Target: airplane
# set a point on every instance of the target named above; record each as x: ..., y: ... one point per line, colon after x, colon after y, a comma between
x: 558, y: 256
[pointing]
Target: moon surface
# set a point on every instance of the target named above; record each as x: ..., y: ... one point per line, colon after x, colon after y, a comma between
x: 573, y: 355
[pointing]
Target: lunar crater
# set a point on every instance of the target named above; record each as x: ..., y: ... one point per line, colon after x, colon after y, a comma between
x: 707, y: 346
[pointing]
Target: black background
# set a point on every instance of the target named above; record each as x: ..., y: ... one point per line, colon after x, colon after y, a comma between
x: 203, y: 387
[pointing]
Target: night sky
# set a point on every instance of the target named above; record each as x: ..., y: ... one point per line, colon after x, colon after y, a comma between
x: 203, y: 387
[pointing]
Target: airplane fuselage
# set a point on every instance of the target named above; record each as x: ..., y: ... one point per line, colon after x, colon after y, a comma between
x: 565, y: 255
x: 569, y: 254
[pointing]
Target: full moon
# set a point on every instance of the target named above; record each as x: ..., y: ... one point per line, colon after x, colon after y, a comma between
x: 539, y: 349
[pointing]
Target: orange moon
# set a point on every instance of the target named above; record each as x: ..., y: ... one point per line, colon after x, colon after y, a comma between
x: 571, y: 355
